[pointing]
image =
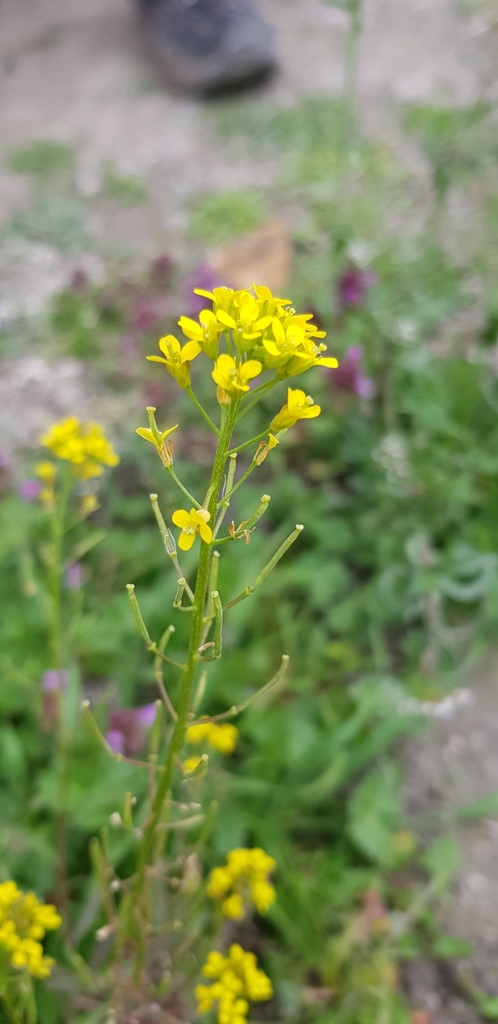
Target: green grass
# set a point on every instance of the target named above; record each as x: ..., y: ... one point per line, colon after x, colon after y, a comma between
x: 221, y: 216
x: 44, y: 157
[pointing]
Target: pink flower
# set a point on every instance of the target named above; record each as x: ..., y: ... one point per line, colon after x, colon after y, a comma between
x: 349, y: 375
x: 202, y: 277
x: 352, y: 286
x: 29, y: 490
x: 127, y: 728
x: 54, y: 679
x: 116, y: 740
x: 161, y: 270
x: 74, y: 576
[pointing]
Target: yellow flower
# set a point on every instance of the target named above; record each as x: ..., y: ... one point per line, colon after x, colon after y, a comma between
x: 236, y: 980
x: 88, y: 504
x: 177, y: 359
x: 84, y: 445
x: 246, y: 877
x: 222, y: 737
x: 157, y: 438
x: 191, y: 764
x: 264, y: 448
x: 192, y: 523
x: 23, y: 923
x: 299, y: 407
x: 232, y: 378
x: 47, y: 471
x: 290, y: 348
x: 205, y: 333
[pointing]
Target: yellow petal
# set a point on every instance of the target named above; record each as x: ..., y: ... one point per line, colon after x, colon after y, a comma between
x: 190, y: 351
x: 205, y: 295
x: 226, y: 320
x: 190, y: 328
x: 206, y: 316
x: 169, y: 344
x: 278, y: 331
x: 225, y: 363
x: 157, y: 359
x: 311, y: 412
x: 200, y: 515
x: 206, y: 533
x: 271, y: 347
x: 164, y: 433
x: 147, y: 434
x: 333, y: 363
x: 181, y: 518
x: 186, y: 540
x: 295, y: 398
x: 250, y: 369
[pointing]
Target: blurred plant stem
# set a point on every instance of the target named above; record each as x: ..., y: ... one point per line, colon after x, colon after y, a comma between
x: 354, y: 8
x: 59, y: 656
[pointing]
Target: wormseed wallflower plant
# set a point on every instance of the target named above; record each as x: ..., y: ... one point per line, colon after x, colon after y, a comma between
x: 248, y: 342
x: 23, y: 923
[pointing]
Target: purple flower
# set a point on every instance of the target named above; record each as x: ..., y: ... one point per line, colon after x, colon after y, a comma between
x: 349, y: 375
x: 205, y: 278
x: 29, y: 490
x: 127, y: 728
x: 54, y: 679
x: 74, y: 576
x: 352, y: 286
x: 116, y: 740
x: 161, y: 270
x: 146, y: 715
x: 144, y: 316
x: 79, y: 280
x: 128, y: 345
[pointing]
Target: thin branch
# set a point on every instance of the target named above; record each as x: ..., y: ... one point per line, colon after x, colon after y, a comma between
x: 238, y: 708
x: 203, y: 412
x: 183, y: 488
x: 268, y: 567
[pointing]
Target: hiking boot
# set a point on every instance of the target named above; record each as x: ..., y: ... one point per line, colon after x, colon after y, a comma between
x: 207, y: 45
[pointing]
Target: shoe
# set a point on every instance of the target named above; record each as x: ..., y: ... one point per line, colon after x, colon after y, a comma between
x: 207, y: 45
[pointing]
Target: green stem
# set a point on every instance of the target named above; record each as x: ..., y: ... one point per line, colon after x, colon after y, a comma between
x: 179, y: 484
x: 11, y: 1014
x: 247, y: 444
x: 239, y: 483
x: 58, y: 524
x: 203, y: 412
x: 264, y: 389
x: 189, y: 672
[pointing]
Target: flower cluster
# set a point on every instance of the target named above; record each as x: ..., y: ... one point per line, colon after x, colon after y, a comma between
x: 84, y: 445
x: 236, y: 980
x: 221, y: 737
x: 263, y: 333
x: 243, y: 880
x: 23, y: 923
x: 47, y: 472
